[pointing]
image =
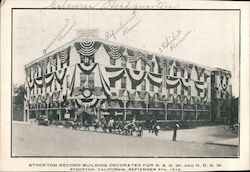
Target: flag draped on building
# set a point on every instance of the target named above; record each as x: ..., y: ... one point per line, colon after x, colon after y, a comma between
x: 114, y: 51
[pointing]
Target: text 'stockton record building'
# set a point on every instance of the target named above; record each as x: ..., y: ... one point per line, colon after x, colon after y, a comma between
x: 92, y: 77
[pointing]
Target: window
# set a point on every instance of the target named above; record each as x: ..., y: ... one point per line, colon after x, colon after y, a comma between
x: 143, y: 86
x: 112, y: 61
x: 198, y: 93
x: 91, y: 80
x: 175, y: 71
x: 182, y: 91
x: 123, y: 82
x: 41, y: 89
x: 123, y: 62
x: 55, y: 85
x: 83, y: 79
x: 143, y: 65
x: 182, y: 73
x: 61, y: 65
x: 50, y: 68
x: 189, y: 75
x: 175, y: 90
x: 152, y: 67
x: 112, y: 84
x: 87, y: 59
x: 151, y: 88
x: 189, y: 90
x: 134, y: 65
x: 227, y: 79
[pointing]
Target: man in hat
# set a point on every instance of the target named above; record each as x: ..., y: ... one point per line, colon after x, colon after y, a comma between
x: 176, y: 126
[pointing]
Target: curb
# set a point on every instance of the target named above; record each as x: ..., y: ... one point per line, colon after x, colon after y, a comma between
x: 222, y: 144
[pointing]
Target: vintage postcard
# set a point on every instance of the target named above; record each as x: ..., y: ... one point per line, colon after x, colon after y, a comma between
x: 124, y: 85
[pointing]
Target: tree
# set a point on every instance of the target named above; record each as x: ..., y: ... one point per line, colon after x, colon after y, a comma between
x: 19, y: 96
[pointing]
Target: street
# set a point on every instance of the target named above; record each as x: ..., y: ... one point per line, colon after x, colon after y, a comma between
x: 34, y: 140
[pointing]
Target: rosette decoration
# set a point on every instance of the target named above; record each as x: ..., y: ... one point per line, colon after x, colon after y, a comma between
x: 136, y: 77
x: 135, y: 56
x: 154, y: 79
x: 115, y: 74
x: 114, y: 51
x: 87, y: 48
x: 60, y: 75
x: 86, y: 103
x: 64, y: 55
x: 87, y: 69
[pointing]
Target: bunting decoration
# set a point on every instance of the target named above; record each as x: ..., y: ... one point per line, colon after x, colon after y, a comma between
x: 115, y: 74
x: 184, y: 83
x: 39, y: 82
x: 142, y: 94
x: 49, y: 79
x: 154, y: 79
x: 186, y: 67
x: 53, y: 60
x: 199, y: 86
x: 135, y: 56
x: 87, y: 69
x: 72, y: 84
x: 60, y: 75
x: 114, y: 51
x: 172, y: 82
x: 105, y: 83
x: 199, y: 70
x: 85, y: 103
x: 182, y: 98
x: 205, y: 97
x: 136, y: 77
x: 28, y: 71
x: 56, y: 95
x: 87, y: 48
x: 64, y: 55
x: 30, y: 83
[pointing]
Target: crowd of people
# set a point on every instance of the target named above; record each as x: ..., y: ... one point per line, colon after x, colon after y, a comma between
x: 110, y: 125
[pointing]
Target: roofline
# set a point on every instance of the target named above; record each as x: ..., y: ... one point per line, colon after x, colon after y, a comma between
x: 126, y: 46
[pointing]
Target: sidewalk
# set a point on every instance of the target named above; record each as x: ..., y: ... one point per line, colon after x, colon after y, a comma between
x: 206, y: 135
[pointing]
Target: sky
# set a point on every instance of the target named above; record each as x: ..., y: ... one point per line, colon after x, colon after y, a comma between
x: 209, y: 38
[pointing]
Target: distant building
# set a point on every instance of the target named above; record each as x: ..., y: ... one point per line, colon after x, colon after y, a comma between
x: 93, y: 77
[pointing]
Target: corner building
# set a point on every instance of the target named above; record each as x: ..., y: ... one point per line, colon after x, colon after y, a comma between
x: 90, y: 77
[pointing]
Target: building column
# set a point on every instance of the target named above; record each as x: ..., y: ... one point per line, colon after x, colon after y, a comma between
x: 196, y: 112
x: 182, y: 112
x: 125, y: 110
x: 166, y: 111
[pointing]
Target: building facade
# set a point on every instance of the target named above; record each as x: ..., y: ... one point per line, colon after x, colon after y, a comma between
x: 93, y: 77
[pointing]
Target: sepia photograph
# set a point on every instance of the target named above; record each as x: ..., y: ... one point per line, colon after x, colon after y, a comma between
x: 125, y: 83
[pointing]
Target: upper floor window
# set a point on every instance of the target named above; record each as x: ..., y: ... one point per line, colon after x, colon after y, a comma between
x: 175, y: 90
x: 123, y: 61
x: 182, y: 73
x: 143, y: 85
x: 123, y: 82
x: 87, y: 59
x: 189, y: 90
x: 91, y: 80
x: 175, y: 71
x: 152, y: 67
x: 143, y: 65
x: 182, y: 91
x: 83, y: 79
x: 134, y: 64
x: 112, y: 61
x: 151, y: 88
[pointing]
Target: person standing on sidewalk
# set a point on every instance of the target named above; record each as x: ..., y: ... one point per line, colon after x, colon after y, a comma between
x: 176, y: 126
